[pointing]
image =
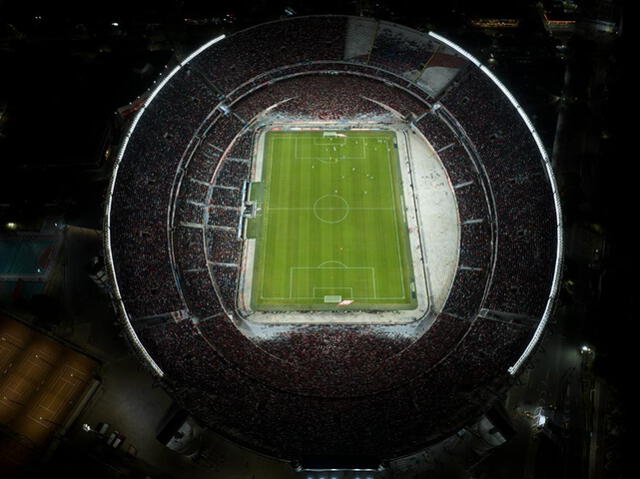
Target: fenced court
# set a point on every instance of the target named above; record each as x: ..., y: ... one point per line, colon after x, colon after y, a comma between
x: 41, y: 381
x: 331, y: 228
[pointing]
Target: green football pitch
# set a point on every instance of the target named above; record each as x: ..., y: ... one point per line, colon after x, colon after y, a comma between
x: 330, y: 224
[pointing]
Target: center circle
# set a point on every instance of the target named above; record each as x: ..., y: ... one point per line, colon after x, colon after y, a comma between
x: 331, y: 209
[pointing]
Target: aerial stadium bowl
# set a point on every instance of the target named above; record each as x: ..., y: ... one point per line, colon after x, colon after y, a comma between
x: 333, y: 236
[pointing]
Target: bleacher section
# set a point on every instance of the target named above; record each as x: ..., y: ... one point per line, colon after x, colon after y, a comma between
x: 173, y: 218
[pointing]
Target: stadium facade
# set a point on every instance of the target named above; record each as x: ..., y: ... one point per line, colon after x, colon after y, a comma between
x: 309, y: 385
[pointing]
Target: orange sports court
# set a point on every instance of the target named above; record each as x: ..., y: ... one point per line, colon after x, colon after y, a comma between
x: 42, y: 382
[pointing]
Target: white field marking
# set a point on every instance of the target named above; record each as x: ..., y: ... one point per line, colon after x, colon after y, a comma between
x: 346, y: 209
x: 375, y: 294
x: 393, y: 189
x: 332, y: 288
x: 65, y: 389
x: 343, y: 141
x: 334, y: 262
x: 312, y: 208
x: 290, y: 283
x: 395, y: 197
x: 57, y: 391
x: 292, y: 269
x: 315, y: 143
x: 266, y: 198
x: 357, y: 298
x: 395, y: 217
x: 327, y: 160
x: 309, y: 137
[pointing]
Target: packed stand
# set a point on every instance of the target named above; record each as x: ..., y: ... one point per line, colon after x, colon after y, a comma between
x: 188, y: 247
x: 241, y: 149
x: 476, y: 247
x: 223, y: 246
x: 233, y: 173
x: 221, y: 132
x: 227, y: 281
x: 141, y: 195
x: 228, y: 217
x: 488, y: 348
x: 329, y: 97
x: 204, y: 162
x: 248, y: 53
x: 193, y: 190
x: 466, y: 292
x: 436, y: 401
x: 344, y: 358
x: 188, y: 212
x: 521, y: 190
x: 392, y: 49
x: 313, y: 390
x: 199, y: 294
x: 224, y: 196
x: 455, y: 159
x: 139, y: 238
x: 428, y: 349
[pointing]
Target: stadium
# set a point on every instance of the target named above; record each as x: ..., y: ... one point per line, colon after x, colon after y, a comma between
x: 333, y: 238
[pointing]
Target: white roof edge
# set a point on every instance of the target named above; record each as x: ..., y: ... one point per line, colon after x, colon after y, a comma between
x: 556, y: 199
x: 107, y: 232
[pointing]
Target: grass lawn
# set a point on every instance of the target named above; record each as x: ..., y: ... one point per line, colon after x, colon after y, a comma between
x: 331, y: 224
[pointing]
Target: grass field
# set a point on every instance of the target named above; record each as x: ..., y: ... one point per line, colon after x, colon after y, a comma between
x: 331, y: 225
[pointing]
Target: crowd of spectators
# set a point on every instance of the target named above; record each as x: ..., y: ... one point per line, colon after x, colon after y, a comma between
x: 328, y: 96
x: 222, y: 132
x: 248, y: 53
x: 227, y: 281
x: 475, y: 245
x: 394, y: 51
x: 188, y: 248
x: 199, y: 293
x: 228, y: 217
x: 223, y: 246
x: 429, y: 348
x: 494, y: 344
x: 138, y: 245
x: 241, y: 149
x: 419, y: 93
x: 472, y: 202
x: 527, y: 237
x: 466, y: 292
x: 233, y: 173
x: 330, y: 356
x: 204, y: 162
x: 317, y: 387
x: 455, y: 159
x: 230, y: 197
x: 188, y: 212
x: 287, y: 424
x: 194, y: 190
x: 141, y: 201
